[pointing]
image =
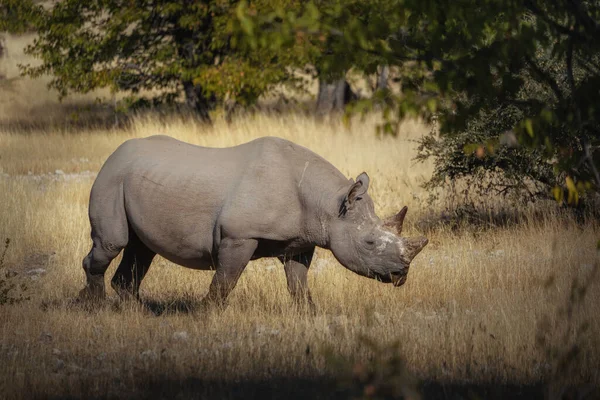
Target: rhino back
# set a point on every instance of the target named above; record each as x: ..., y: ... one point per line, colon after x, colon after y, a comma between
x: 280, y: 191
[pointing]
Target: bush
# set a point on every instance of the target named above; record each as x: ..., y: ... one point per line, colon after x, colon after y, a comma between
x: 473, y: 164
x: 489, y: 159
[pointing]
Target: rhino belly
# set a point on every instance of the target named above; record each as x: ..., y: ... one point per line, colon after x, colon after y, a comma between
x: 188, y: 249
x: 190, y: 259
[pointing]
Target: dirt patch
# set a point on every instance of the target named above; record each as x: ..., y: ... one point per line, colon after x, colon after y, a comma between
x: 58, y: 175
x: 34, y: 266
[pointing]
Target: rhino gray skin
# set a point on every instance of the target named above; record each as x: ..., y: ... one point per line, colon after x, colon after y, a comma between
x: 209, y: 208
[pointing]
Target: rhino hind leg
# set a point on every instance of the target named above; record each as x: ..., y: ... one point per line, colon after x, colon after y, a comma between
x: 136, y: 261
x: 296, y: 271
x: 95, y: 265
x: 110, y: 234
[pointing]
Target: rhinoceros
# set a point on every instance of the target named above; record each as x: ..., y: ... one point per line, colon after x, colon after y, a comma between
x: 218, y: 208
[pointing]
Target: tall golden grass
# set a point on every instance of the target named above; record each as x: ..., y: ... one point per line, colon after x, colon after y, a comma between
x: 470, y: 311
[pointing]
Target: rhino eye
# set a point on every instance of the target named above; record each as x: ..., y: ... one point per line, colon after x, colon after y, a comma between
x: 370, y: 242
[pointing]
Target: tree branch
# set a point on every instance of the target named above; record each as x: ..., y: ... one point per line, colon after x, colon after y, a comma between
x: 571, y: 80
x: 583, y: 17
x: 545, y: 77
x: 558, y: 27
x: 588, y: 156
x: 570, y: 77
x: 589, y: 66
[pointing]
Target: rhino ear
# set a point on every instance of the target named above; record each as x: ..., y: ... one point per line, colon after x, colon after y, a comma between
x: 358, y: 189
x: 395, y: 222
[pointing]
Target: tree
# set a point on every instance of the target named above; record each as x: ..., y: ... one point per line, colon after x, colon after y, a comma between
x: 334, y: 90
x: 154, y: 50
x: 458, y: 59
x: 322, y: 52
x: 16, y: 17
x: 333, y: 95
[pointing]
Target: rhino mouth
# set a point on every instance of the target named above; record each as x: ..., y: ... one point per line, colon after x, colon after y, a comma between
x: 396, y: 278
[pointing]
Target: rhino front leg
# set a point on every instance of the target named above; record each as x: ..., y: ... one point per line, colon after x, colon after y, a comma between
x: 233, y: 256
x: 296, y: 271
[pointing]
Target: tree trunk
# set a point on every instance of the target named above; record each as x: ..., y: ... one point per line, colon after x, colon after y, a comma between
x: 333, y: 96
x: 382, y: 78
x: 196, y: 101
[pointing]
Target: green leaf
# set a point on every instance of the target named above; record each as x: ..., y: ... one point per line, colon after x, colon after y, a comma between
x: 432, y: 105
x: 557, y: 192
x: 529, y: 127
x: 573, y: 194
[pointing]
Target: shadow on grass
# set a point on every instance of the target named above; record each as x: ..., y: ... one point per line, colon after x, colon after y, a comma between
x: 113, y: 303
x: 183, y: 306
x: 482, y: 219
x: 301, y: 388
x: 85, y: 115
x: 75, y: 118
x: 455, y: 391
x: 88, y: 116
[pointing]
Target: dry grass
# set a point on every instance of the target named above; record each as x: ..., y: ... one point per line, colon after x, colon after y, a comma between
x: 468, y: 313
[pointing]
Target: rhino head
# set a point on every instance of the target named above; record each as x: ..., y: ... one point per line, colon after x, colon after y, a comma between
x: 365, y: 244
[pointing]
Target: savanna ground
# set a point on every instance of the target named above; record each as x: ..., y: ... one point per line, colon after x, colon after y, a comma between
x: 490, y: 308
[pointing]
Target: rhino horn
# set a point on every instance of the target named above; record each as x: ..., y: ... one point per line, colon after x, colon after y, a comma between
x: 395, y: 222
x: 414, y: 245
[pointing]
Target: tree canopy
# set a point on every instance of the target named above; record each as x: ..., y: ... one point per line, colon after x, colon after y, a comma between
x: 511, y: 84
x: 18, y: 16
x: 456, y: 60
x: 154, y: 50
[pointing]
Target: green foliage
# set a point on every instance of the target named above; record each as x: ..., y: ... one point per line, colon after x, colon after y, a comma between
x: 18, y: 16
x: 487, y: 157
x: 460, y: 61
x: 472, y: 165
x: 154, y: 51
